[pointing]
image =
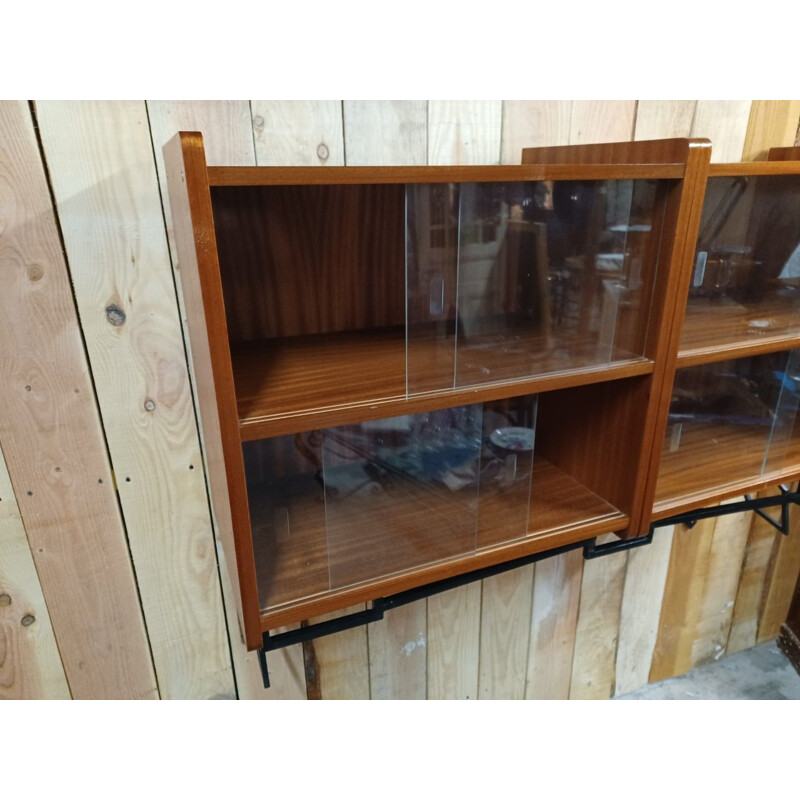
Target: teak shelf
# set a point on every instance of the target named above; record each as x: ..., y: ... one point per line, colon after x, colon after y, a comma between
x: 732, y: 423
x: 406, y: 374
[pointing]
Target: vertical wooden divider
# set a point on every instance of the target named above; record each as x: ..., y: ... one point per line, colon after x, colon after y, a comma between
x: 459, y: 132
x: 100, y: 159
x: 228, y: 138
x: 382, y: 133
x: 772, y: 123
x: 53, y: 442
x: 30, y: 666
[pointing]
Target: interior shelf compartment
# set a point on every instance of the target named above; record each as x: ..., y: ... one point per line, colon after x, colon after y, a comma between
x: 744, y: 297
x: 351, y: 509
x: 732, y: 426
x: 343, y: 296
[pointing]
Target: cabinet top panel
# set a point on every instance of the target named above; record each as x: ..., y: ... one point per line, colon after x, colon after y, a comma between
x: 300, y: 176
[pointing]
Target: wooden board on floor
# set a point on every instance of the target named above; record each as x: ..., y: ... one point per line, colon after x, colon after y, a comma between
x: 554, y: 619
x: 30, y: 666
x: 101, y: 164
x: 228, y: 136
x: 53, y: 441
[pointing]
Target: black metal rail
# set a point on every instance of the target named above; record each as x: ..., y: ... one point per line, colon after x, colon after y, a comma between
x: 590, y: 550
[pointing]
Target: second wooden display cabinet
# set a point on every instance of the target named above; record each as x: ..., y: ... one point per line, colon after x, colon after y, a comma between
x: 405, y: 374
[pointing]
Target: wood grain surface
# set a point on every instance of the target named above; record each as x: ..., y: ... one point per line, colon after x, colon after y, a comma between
x: 101, y: 165
x: 53, y: 441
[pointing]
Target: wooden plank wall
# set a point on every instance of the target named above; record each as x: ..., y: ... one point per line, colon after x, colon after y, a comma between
x: 109, y: 570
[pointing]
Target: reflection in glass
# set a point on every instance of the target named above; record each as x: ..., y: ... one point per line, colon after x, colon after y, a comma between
x: 335, y: 507
x: 746, y: 279
x: 510, y: 280
x: 730, y: 421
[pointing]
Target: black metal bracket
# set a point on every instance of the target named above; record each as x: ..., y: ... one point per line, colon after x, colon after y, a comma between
x: 590, y: 550
x: 754, y: 504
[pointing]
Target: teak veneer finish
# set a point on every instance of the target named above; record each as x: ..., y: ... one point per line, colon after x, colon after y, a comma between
x: 595, y: 463
x: 711, y: 333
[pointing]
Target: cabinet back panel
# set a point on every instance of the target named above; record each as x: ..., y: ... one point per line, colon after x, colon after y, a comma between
x: 301, y: 260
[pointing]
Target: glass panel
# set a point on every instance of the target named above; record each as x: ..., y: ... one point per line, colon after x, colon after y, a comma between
x: 506, y: 469
x: 784, y: 446
x: 287, y: 516
x: 720, y: 423
x: 401, y: 492
x: 746, y: 280
x: 431, y: 278
x: 528, y: 278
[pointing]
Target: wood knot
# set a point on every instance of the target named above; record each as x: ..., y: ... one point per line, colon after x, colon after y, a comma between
x: 115, y: 315
x: 27, y: 620
x: 5, y: 599
x: 258, y: 122
x: 35, y: 272
x: 322, y: 152
x: 149, y: 405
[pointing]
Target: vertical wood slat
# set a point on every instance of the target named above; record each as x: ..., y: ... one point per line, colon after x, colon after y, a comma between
x: 53, y: 441
x: 459, y: 132
x: 228, y: 139
x: 753, y: 584
x: 385, y: 133
x: 299, y: 133
x: 554, y: 619
x: 100, y: 159
x: 772, y: 123
x: 601, y: 121
x: 725, y: 123
x: 30, y: 666
x: 594, y: 664
x: 663, y: 119
x: 533, y: 123
x: 643, y: 595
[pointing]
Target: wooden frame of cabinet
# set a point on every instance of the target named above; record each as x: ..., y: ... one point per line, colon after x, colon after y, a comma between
x: 594, y: 459
x: 733, y: 335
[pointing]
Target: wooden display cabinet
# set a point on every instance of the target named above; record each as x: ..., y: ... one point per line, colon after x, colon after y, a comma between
x: 732, y: 421
x: 409, y: 373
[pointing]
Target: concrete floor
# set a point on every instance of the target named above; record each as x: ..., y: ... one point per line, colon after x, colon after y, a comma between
x: 761, y: 673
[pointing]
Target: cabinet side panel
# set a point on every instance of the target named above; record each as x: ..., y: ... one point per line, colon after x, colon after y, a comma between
x: 196, y: 249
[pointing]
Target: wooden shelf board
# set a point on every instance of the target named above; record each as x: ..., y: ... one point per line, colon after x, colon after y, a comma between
x: 689, y: 477
x: 717, y: 331
x: 306, y: 176
x: 303, y: 383
x: 294, y: 576
x: 734, y: 169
